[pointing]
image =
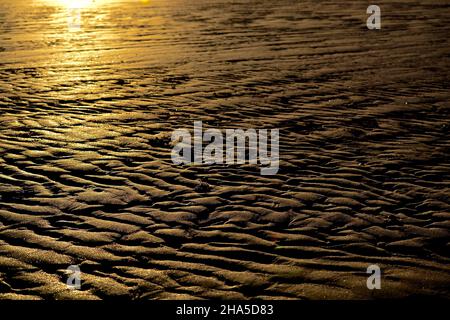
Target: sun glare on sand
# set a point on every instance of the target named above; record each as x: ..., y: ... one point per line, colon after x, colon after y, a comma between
x: 77, y: 4
x: 81, y: 4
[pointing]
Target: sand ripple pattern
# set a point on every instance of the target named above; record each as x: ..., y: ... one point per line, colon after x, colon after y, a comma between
x: 85, y: 170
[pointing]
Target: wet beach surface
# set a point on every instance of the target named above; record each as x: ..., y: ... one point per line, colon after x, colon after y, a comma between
x: 86, y: 177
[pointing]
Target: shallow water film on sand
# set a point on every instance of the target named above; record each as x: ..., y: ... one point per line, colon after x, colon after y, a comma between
x: 92, y: 205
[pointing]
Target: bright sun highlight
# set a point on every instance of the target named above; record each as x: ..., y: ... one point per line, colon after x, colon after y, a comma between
x: 81, y: 4
x: 77, y: 4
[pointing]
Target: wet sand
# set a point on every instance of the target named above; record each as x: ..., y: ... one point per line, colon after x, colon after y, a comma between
x: 86, y: 177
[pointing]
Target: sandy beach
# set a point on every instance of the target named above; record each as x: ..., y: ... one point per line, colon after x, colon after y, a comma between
x: 89, y: 98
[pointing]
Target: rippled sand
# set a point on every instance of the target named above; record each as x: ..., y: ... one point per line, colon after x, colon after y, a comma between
x: 86, y: 178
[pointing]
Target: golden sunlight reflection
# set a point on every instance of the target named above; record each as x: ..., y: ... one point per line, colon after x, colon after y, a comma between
x: 81, y: 4
x: 76, y: 4
x: 79, y: 42
x: 85, y: 35
x: 76, y: 9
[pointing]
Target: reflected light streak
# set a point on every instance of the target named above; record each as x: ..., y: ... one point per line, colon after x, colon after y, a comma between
x: 76, y: 4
